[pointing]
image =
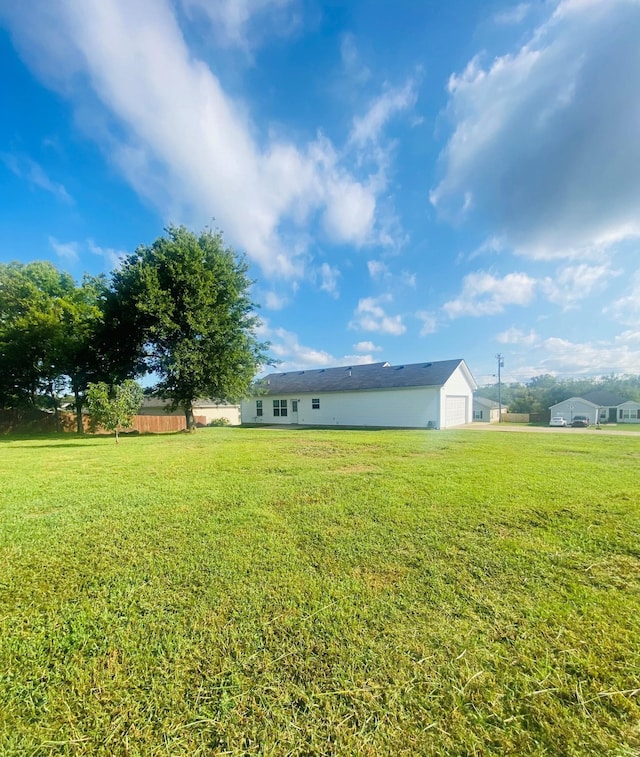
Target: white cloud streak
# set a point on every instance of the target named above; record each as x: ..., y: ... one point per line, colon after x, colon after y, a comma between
x: 180, y: 140
x: 545, y: 144
x: 32, y: 172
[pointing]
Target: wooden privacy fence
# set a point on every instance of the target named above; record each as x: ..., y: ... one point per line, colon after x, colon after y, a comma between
x: 515, y: 417
x: 38, y: 422
x: 158, y: 424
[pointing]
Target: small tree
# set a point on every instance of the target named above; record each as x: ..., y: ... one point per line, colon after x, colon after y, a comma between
x: 113, y: 407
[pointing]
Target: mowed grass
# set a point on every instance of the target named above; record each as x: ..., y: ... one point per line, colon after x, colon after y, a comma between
x: 297, y: 592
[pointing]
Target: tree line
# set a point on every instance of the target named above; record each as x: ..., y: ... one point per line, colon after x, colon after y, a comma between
x: 178, y: 310
x: 541, y: 392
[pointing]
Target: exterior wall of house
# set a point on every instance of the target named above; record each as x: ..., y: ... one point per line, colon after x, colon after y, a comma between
x: 628, y: 412
x: 412, y: 408
x: 409, y: 407
x: 485, y: 414
x: 568, y: 409
x: 455, y: 390
x: 205, y: 412
x: 213, y: 412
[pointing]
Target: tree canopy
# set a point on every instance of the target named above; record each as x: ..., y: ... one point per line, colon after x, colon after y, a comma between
x: 178, y: 309
x: 185, y: 298
x: 48, y: 330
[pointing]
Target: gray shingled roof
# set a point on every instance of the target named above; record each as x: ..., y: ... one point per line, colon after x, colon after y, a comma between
x: 358, y: 377
x: 603, y: 398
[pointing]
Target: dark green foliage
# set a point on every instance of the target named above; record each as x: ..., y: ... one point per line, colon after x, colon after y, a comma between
x: 541, y: 392
x: 185, y: 300
x: 48, y: 331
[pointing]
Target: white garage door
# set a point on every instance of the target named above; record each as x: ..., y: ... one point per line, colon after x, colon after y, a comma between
x: 455, y: 411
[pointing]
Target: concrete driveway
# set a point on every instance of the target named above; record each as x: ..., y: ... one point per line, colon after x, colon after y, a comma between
x: 508, y: 427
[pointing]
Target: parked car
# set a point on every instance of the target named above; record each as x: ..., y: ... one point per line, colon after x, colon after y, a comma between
x: 580, y: 421
x: 557, y: 420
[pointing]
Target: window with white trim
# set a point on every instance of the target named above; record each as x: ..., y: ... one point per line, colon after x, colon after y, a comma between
x: 315, y: 403
x: 279, y: 408
x: 258, y: 408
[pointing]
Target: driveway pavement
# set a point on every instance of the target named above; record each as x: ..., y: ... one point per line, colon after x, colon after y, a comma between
x: 508, y: 427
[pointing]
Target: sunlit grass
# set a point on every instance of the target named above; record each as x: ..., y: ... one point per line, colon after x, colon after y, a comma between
x: 273, y: 592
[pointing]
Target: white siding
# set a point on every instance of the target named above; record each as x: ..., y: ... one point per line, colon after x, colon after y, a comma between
x: 568, y: 409
x: 403, y: 408
x: 628, y: 412
x: 410, y: 407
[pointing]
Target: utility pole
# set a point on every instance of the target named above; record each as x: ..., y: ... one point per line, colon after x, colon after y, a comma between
x: 500, y: 365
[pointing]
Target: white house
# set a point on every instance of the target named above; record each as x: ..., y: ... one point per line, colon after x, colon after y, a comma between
x: 204, y: 410
x: 421, y: 395
x: 486, y: 411
x: 629, y: 412
x: 599, y: 405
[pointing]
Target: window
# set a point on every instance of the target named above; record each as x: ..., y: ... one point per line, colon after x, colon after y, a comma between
x: 477, y: 415
x: 315, y: 403
x: 258, y: 408
x: 294, y: 406
x: 280, y: 408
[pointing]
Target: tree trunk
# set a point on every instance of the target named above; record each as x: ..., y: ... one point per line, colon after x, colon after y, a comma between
x: 117, y: 441
x: 56, y: 408
x: 78, y: 403
x: 188, y: 414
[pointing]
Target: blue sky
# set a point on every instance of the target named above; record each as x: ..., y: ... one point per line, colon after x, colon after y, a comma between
x: 409, y: 180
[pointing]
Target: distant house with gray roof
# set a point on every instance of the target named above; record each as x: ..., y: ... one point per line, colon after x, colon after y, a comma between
x: 419, y: 395
x: 600, y: 406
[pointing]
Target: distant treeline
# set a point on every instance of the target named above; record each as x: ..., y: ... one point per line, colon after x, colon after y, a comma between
x: 541, y: 392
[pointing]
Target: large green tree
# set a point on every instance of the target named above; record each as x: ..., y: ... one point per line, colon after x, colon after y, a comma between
x: 49, y: 329
x: 185, y: 299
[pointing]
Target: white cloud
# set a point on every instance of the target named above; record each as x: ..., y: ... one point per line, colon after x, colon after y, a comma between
x: 380, y: 271
x: 275, y: 301
x: 32, y: 172
x: 518, y: 337
x: 576, y: 282
x: 620, y: 355
x: 112, y: 256
x: 371, y: 316
x: 67, y: 251
x: 329, y: 276
x: 429, y: 322
x: 513, y: 16
x: 545, y: 145
x: 485, y: 294
x: 377, y: 269
x: 367, y: 128
x: 626, y: 309
x: 366, y: 347
x: 355, y: 70
x: 239, y: 23
x: 163, y: 118
x: 292, y: 355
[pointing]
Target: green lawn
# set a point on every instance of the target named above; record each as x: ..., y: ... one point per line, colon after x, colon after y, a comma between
x: 265, y: 592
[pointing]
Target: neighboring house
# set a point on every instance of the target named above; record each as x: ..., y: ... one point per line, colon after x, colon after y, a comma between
x: 204, y: 410
x: 486, y: 411
x: 600, y: 406
x: 629, y: 412
x: 421, y: 395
